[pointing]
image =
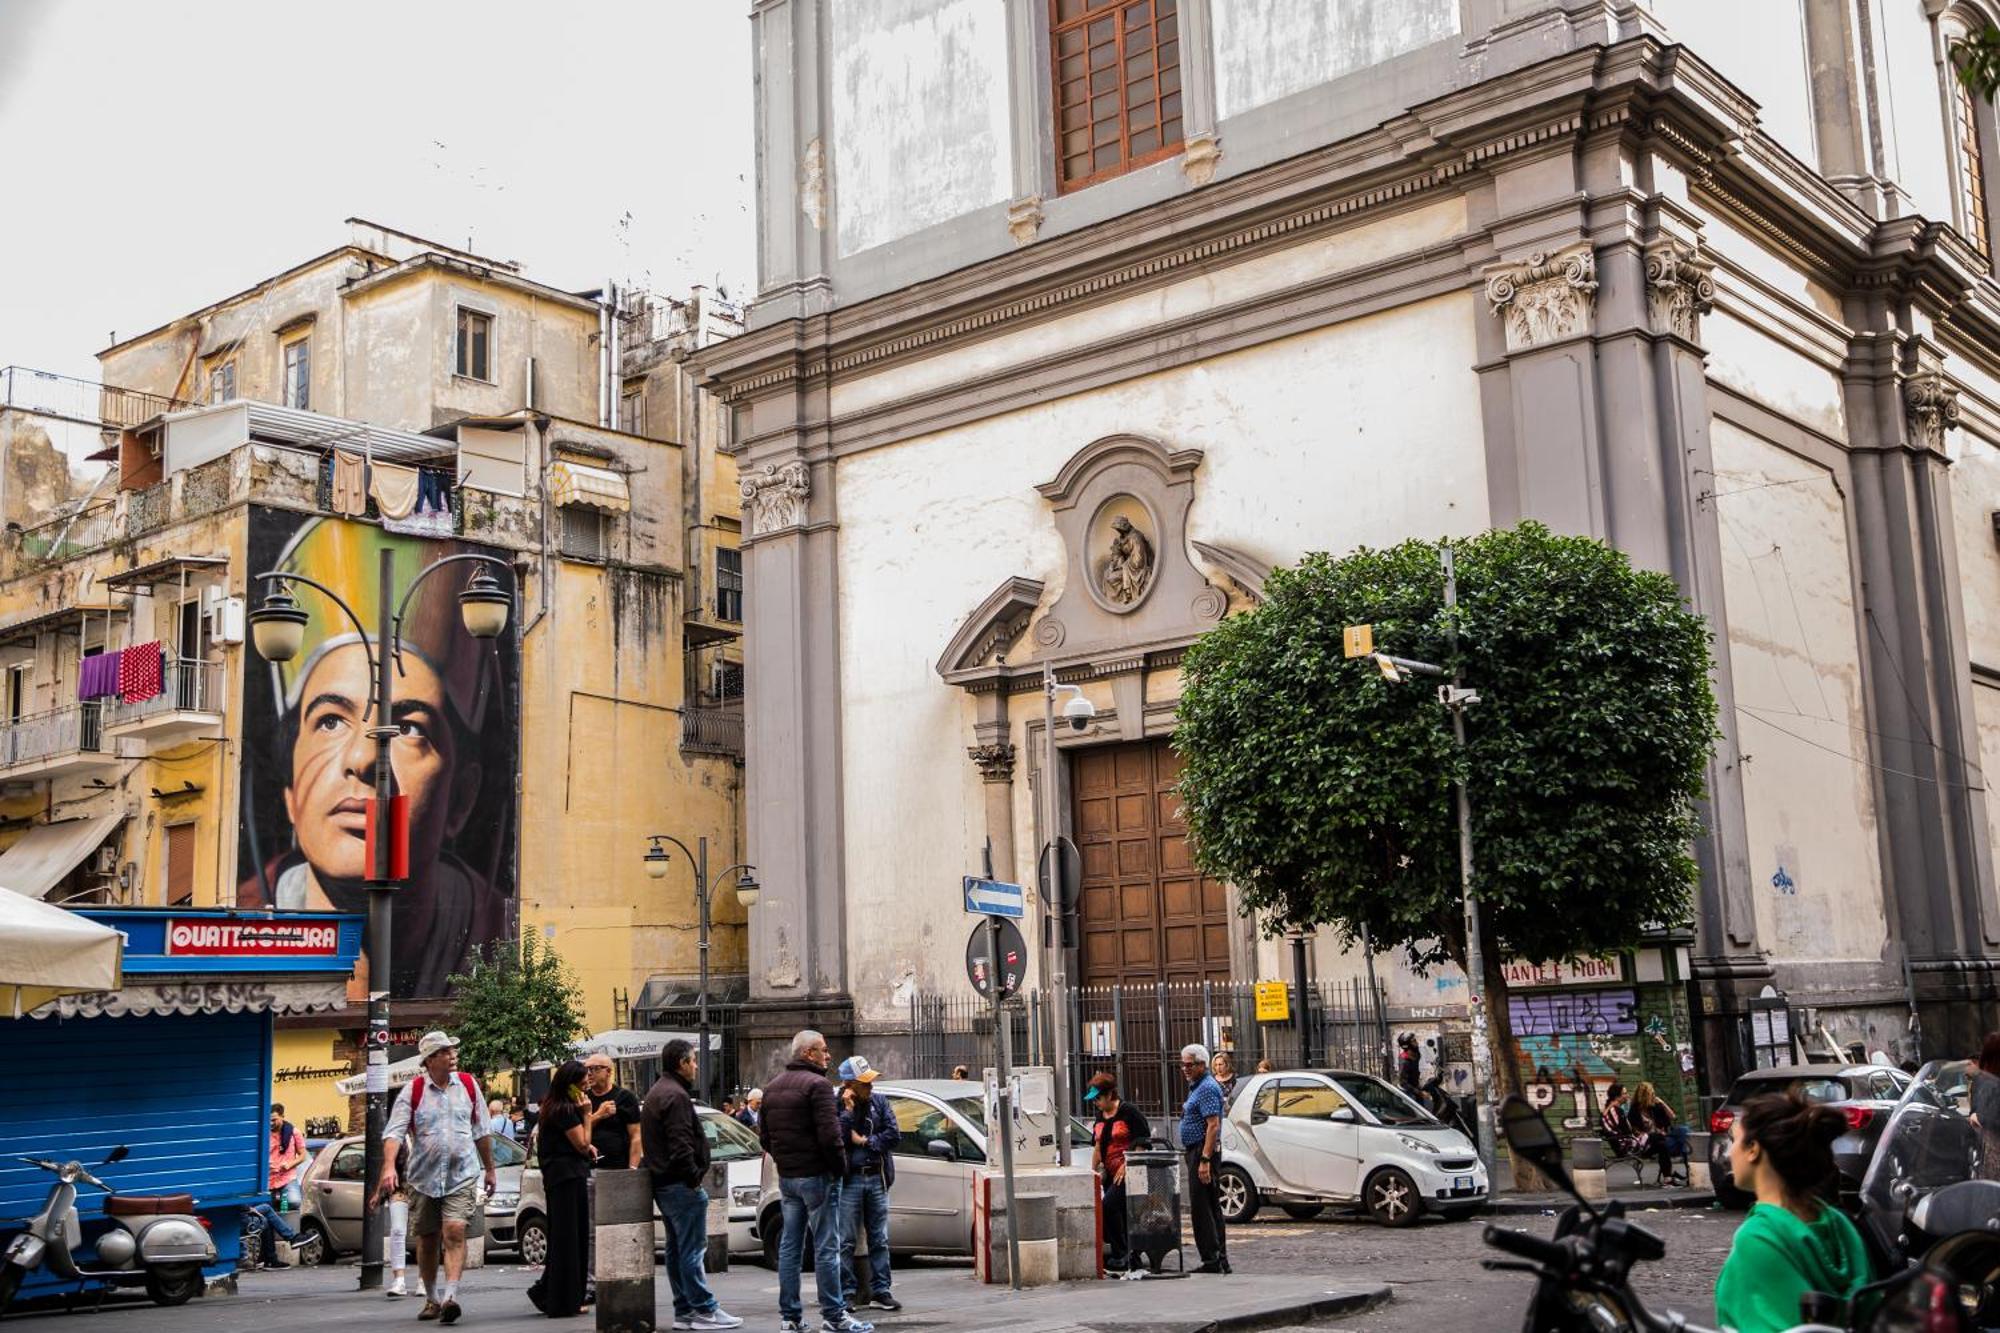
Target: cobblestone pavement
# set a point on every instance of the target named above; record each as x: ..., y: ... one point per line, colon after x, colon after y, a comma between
x: 1433, y: 1268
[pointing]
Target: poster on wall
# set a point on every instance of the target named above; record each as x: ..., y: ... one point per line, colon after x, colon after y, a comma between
x: 309, y: 763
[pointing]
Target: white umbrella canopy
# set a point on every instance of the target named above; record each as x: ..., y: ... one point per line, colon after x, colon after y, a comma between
x: 46, y: 953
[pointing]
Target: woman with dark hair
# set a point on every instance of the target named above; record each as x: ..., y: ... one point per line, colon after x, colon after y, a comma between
x: 1118, y: 1130
x: 1986, y: 1106
x: 563, y: 1147
x: 1792, y: 1241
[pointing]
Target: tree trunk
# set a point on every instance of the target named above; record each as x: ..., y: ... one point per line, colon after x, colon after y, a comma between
x: 1506, y: 1061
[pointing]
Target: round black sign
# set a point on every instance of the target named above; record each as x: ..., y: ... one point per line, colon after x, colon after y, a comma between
x: 1013, y: 960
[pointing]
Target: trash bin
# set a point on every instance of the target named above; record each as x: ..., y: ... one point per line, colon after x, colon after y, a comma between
x: 1153, y: 1206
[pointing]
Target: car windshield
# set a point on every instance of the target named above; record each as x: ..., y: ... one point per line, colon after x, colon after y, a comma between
x: 1384, y: 1102
x: 974, y: 1111
x: 506, y: 1152
x: 728, y: 1139
x: 1815, y: 1088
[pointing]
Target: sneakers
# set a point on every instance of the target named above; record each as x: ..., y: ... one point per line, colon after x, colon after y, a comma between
x: 886, y: 1302
x: 847, y: 1323
x: 683, y: 1321
x: 395, y: 1289
x: 791, y: 1326
x: 715, y: 1317
x: 273, y: 1264
x: 431, y: 1310
x: 448, y: 1313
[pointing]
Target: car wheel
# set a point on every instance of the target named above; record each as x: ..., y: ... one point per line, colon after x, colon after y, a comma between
x: 1305, y: 1212
x: 1237, y: 1194
x: 534, y: 1240
x: 771, y: 1230
x: 314, y: 1246
x: 1392, y: 1198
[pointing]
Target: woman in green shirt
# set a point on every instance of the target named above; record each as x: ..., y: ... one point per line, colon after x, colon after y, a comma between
x: 1792, y: 1242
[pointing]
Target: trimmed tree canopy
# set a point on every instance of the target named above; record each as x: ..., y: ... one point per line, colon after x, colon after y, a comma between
x: 1323, y: 791
x: 516, y: 1005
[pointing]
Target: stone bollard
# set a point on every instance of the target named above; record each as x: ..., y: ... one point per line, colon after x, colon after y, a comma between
x: 716, y: 1260
x: 1587, y: 1169
x: 475, y: 1250
x: 624, y: 1229
x: 1699, y: 1176
x: 1041, y: 1254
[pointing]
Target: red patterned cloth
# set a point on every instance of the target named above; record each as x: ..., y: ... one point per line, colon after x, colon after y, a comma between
x: 140, y: 673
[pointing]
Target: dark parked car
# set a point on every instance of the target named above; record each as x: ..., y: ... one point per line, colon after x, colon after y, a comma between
x: 1865, y: 1094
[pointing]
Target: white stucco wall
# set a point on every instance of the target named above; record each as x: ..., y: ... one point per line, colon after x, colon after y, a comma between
x: 1752, y: 361
x: 1322, y: 441
x: 1759, y: 46
x: 1914, y: 135
x: 919, y: 115
x: 1268, y: 49
x: 1794, y: 643
x: 1975, y: 495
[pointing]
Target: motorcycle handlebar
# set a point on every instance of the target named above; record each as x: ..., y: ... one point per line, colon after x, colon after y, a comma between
x: 1548, y: 1253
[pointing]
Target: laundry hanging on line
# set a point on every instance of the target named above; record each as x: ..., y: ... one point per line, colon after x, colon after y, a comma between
x: 395, y: 489
x: 431, y: 516
x: 350, y: 484
x: 141, y: 673
x: 98, y: 676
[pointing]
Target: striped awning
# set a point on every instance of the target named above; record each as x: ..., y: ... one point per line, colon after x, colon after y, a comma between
x: 581, y: 484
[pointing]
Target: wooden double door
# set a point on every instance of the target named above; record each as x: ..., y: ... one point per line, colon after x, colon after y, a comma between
x: 1146, y: 914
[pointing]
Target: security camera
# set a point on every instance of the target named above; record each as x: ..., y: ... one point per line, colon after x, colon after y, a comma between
x: 1079, y: 711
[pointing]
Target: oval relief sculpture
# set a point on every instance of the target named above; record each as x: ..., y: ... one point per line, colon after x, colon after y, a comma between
x: 1123, y: 554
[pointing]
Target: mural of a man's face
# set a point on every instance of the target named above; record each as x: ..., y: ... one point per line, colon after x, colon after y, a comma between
x: 333, y: 764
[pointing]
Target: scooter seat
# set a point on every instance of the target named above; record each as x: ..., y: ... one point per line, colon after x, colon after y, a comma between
x: 148, y: 1205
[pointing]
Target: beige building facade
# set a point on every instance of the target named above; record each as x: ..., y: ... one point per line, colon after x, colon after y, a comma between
x: 1711, y: 282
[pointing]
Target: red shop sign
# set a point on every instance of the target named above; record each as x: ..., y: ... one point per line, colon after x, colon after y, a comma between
x: 263, y: 939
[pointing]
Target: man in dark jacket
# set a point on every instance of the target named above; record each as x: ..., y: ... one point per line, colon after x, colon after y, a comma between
x: 800, y: 1128
x: 676, y: 1152
x: 868, y: 1125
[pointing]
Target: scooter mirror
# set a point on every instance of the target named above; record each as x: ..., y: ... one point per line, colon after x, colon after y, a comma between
x: 118, y: 1154
x: 1528, y: 1134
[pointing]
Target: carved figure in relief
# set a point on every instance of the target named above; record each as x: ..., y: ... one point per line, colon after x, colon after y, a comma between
x: 1129, y: 568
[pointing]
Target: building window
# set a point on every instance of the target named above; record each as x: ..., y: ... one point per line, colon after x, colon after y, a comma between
x: 583, y: 534
x: 19, y: 677
x: 180, y: 865
x: 632, y: 412
x: 222, y: 383
x: 475, y: 344
x: 1117, y: 86
x: 728, y: 584
x: 1971, y: 165
x: 727, y: 684
x: 298, y: 374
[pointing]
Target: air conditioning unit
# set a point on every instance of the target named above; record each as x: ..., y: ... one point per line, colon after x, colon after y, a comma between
x: 104, y: 861
x: 225, y: 619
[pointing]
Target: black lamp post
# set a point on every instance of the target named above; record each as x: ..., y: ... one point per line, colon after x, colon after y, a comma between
x: 747, y: 889
x: 278, y: 630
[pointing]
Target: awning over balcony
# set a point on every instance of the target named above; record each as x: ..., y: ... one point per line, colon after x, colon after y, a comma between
x: 48, y: 852
x: 581, y: 484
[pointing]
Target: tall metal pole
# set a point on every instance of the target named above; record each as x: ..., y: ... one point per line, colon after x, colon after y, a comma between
x: 1003, y: 1073
x: 1058, y: 978
x: 1299, y: 985
x: 1475, y: 954
x: 701, y: 1001
x: 381, y: 898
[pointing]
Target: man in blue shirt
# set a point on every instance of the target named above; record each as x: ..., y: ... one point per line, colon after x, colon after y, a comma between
x: 1201, y: 1127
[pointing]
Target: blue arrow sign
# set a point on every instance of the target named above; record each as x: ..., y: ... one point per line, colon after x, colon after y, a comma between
x: 991, y: 897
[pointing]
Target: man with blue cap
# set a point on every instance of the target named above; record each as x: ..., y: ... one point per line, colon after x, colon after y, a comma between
x: 868, y: 1128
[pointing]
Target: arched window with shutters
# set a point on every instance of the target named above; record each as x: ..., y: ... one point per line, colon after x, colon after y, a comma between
x: 1970, y: 129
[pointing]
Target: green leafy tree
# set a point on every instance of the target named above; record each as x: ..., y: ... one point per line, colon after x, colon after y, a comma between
x: 1976, y: 57
x: 1323, y: 791
x: 517, y: 1004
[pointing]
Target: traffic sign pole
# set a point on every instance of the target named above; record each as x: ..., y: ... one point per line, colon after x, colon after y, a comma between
x: 1004, y: 1075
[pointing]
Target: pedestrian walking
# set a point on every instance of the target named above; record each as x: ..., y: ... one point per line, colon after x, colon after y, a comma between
x: 1119, y: 1129
x: 1201, y: 1124
x: 676, y: 1153
x: 441, y: 1117
x: 1986, y: 1106
x: 566, y: 1154
x: 751, y: 1112
x: 396, y: 1245
x: 800, y: 1129
x: 868, y: 1128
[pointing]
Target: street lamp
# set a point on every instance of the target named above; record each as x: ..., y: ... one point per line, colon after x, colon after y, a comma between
x: 278, y: 632
x: 656, y: 860
x: 1078, y: 712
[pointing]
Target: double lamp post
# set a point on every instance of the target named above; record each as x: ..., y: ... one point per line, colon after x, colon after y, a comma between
x: 657, y: 859
x: 278, y: 630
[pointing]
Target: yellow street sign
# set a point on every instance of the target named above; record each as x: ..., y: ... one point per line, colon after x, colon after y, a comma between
x: 1274, y: 1002
x: 1360, y: 640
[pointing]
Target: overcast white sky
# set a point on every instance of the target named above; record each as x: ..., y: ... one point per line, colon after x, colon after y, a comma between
x: 163, y: 154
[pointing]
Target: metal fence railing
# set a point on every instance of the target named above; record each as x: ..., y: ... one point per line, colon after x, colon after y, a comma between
x: 71, y: 729
x: 187, y: 685
x: 712, y: 730
x: 1137, y: 1032
x: 725, y: 1020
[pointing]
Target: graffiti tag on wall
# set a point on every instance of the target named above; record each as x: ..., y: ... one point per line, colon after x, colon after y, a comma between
x: 1597, y: 1012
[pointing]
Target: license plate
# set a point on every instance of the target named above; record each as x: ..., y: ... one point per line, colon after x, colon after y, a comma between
x: 1461, y: 1182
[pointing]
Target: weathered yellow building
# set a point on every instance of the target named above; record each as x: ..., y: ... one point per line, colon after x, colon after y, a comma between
x: 396, y: 395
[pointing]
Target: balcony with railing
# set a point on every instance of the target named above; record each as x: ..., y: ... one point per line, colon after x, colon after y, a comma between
x: 66, y: 740
x: 189, y: 702
x: 712, y: 730
x: 109, y: 407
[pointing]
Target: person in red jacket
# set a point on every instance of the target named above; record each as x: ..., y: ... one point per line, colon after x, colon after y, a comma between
x: 801, y: 1131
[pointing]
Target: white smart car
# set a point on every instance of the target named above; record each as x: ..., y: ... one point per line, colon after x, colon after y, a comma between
x: 1306, y: 1138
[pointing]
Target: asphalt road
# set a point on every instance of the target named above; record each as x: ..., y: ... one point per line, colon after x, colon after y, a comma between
x: 1434, y: 1269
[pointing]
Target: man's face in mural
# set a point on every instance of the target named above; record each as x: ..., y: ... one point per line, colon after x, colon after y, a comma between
x: 333, y: 764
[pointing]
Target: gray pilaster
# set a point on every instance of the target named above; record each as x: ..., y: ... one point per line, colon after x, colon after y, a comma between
x: 794, y: 160
x: 1204, y: 147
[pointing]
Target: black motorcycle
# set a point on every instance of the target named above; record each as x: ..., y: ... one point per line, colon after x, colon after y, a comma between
x: 1583, y: 1272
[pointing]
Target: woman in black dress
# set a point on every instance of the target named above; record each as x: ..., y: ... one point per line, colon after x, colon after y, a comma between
x: 564, y: 1150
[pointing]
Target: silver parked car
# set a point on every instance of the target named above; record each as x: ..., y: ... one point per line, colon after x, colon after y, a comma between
x: 332, y: 1191
x: 729, y: 1144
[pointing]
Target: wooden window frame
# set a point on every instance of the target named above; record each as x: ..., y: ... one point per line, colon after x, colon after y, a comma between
x: 461, y: 355
x: 303, y: 385
x: 192, y: 831
x: 1092, y: 13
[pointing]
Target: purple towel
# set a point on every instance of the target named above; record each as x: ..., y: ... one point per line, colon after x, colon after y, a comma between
x: 98, y: 678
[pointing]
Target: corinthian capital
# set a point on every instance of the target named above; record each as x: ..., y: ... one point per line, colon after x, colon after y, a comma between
x: 774, y: 497
x: 1549, y: 296
x: 1932, y: 405
x: 1680, y: 286
x: 995, y: 760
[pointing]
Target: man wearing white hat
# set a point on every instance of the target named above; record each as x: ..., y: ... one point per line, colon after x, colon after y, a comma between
x: 443, y: 1119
